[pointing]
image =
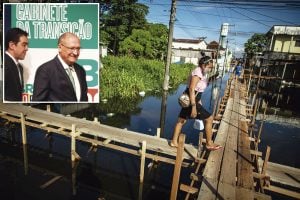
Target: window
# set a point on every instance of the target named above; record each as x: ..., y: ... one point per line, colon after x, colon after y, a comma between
x: 182, y: 59
x: 297, y: 43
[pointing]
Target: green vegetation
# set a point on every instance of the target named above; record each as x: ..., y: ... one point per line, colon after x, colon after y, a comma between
x: 118, y: 19
x: 125, y: 77
x: 255, y: 44
x: 126, y: 32
x: 149, y: 43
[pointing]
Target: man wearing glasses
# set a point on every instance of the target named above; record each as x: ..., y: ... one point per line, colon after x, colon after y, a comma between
x: 62, y: 79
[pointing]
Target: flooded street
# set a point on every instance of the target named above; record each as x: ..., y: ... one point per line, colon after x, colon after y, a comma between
x: 109, y: 174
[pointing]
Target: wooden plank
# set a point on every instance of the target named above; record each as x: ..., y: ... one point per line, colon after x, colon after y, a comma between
x: 51, y: 181
x: 245, y: 176
x: 227, y: 181
x: 188, y: 189
x: 95, y: 129
x: 226, y: 191
x: 244, y: 165
x: 208, y: 189
x: 282, y: 174
x: 260, y: 196
x: 116, y: 146
x: 194, y: 176
x: 283, y: 191
x: 244, y: 194
x: 177, y: 168
x: 257, y: 153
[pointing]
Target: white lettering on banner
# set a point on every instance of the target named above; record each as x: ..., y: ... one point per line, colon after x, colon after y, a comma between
x: 40, y: 12
x: 52, y: 30
x: 50, y: 21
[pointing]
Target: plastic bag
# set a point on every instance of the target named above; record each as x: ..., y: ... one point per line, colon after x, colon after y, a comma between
x: 198, y: 124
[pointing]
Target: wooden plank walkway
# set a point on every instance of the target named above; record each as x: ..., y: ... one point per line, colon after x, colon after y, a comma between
x: 282, y: 174
x: 228, y: 171
x: 61, y: 124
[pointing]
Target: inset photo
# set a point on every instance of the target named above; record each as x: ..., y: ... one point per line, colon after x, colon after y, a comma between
x: 51, y: 53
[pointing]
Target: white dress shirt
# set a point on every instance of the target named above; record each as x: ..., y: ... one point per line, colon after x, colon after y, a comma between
x: 76, y: 80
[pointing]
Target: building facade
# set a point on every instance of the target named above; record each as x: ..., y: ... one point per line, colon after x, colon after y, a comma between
x: 189, y: 50
x: 284, y: 43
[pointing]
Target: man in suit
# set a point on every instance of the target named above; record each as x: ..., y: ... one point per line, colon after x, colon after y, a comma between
x: 62, y: 79
x: 16, y: 46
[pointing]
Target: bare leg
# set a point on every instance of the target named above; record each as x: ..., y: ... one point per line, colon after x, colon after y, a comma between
x: 177, y: 130
x: 208, y: 130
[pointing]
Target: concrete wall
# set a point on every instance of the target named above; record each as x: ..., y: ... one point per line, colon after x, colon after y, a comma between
x: 177, y: 45
x: 187, y: 55
x: 284, y: 44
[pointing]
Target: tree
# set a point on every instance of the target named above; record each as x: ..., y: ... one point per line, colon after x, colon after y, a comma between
x: 138, y: 44
x: 255, y: 44
x: 150, y: 42
x: 159, y: 39
x: 118, y: 21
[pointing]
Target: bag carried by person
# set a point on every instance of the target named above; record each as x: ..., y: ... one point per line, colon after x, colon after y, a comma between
x: 184, y: 99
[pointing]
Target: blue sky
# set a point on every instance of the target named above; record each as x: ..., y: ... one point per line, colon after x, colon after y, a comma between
x: 197, y: 18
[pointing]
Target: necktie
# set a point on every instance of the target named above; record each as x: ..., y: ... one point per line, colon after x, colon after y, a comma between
x: 20, y: 69
x: 69, y: 72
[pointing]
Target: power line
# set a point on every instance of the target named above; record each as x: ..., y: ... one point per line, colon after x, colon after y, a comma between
x: 235, y: 33
x: 251, y: 18
x: 229, y: 17
x: 267, y: 16
x: 288, y: 4
x: 257, y: 7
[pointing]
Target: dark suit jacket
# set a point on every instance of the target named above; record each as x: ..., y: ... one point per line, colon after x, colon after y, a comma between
x: 12, y: 85
x: 52, y: 83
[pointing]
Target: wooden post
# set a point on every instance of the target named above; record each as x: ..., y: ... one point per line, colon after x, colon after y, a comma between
x: 260, y: 128
x: 256, y: 107
x: 216, y: 112
x: 158, y: 132
x: 264, y: 167
x: 143, y: 156
x: 25, y: 155
x: 23, y: 127
x: 74, y: 174
x: 249, y: 83
x: 177, y: 168
x: 73, y: 143
x: 141, y: 191
x: 258, y: 82
x: 48, y: 108
x: 253, y: 100
x: 200, y: 144
x: 96, y: 121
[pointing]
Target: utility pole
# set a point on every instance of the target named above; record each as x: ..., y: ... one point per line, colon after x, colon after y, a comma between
x: 225, y: 59
x: 169, y: 50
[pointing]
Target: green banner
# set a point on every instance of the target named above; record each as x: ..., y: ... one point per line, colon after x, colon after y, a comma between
x: 46, y: 22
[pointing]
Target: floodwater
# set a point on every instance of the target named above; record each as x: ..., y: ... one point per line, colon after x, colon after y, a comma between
x: 108, y: 174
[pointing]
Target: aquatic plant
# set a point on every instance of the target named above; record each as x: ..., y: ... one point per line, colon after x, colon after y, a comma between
x: 125, y: 77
